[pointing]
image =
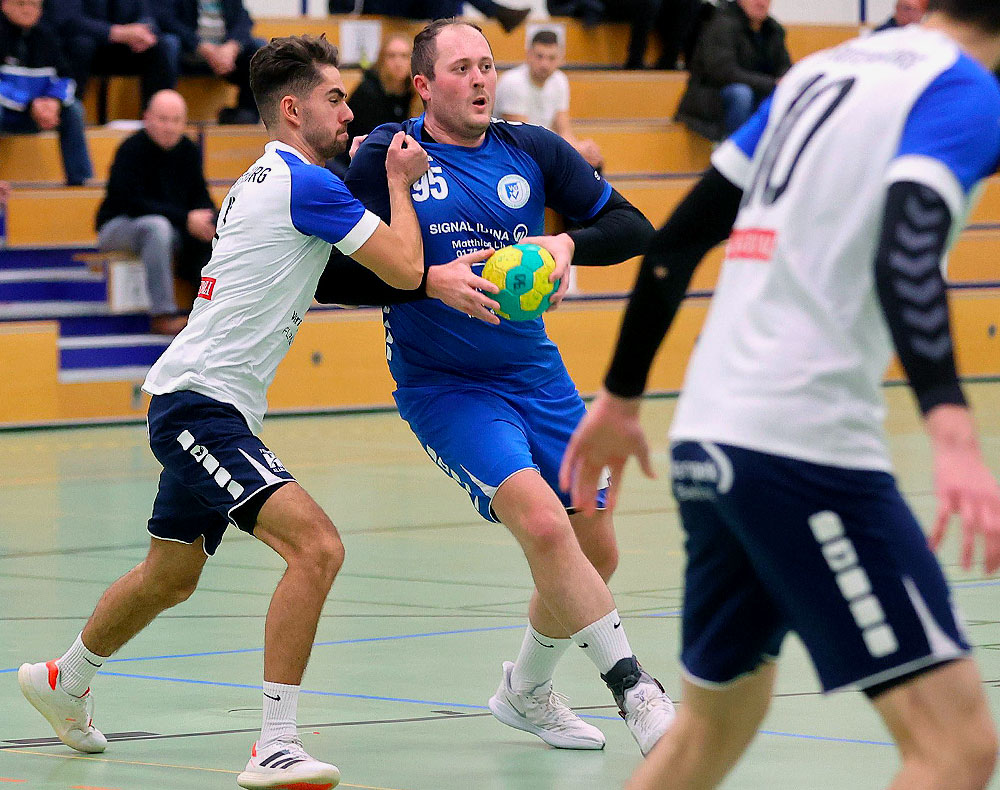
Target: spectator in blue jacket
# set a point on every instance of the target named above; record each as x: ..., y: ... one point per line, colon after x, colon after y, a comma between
x: 215, y: 39
x: 35, y: 93
x: 115, y: 37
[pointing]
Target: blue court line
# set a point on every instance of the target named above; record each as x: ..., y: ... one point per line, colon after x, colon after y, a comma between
x: 340, y: 642
x: 967, y: 585
x: 466, y: 706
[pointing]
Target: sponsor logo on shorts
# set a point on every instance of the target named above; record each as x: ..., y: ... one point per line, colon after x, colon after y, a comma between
x: 854, y: 584
x: 223, y: 479
x: 206, y: 288
x: 272, y: 461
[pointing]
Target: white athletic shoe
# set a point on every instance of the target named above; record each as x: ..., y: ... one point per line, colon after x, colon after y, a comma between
x: 544, y: 713
x: 71, y: 717
x: 647, y: 710
x: 285, y: 764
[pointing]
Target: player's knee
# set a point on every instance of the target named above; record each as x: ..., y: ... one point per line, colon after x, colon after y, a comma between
x: 978, y: 756
x: 167, y: 592
x: 545, y: 531
x: 321, y: 557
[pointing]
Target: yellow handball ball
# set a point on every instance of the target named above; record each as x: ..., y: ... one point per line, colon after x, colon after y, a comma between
x: 522, y: 273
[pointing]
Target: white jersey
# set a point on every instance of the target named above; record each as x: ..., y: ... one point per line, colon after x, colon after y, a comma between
x: 518, y: 95
x: 275, y: 233
x: 795, y: 346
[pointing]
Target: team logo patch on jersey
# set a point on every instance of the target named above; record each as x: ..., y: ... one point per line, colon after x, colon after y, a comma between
x: 206, y: 288
x: 513, y: 191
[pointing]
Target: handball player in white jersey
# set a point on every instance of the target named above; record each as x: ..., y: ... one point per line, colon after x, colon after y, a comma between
x: 277, y: 227
x: 839, y: 199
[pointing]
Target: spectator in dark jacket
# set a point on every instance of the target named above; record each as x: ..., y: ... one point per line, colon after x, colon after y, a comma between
x: 384, y: 95
x: 215, y: 39
x: 739, y: 59
x: 908, y: 12
x: 115, y: 37
x: 35, y: 92
x: 158, y: 207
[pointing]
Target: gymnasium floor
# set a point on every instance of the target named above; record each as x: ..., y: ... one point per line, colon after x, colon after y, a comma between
x: 431, y: 600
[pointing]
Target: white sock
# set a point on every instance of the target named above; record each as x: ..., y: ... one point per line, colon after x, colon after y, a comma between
x: 537, y: 660
x: 604, y: 642
x: 281, y: 704
x: 78, y: 667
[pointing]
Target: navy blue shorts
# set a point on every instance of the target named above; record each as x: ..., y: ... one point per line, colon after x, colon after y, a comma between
x: 215, y: 471
x: 776, y: 544
x: 480, y: 437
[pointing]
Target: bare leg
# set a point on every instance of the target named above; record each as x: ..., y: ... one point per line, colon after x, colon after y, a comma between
x: 292, y: 524
x: 596, y: 535
x: 571, y: 587
x: 713, y: 729
x: 942, y: 724
x: 167, y: 576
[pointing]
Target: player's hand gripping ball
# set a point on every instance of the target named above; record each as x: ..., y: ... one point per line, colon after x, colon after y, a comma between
x: 522, y: 274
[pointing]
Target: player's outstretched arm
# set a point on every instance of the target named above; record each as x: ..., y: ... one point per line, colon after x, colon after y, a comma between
x: 913, y: 295
x: 395, y: 252
x: 610, y: 433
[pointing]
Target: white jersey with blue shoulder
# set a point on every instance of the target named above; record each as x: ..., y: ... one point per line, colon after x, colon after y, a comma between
x: 795, y: 346
x: 274, y: 236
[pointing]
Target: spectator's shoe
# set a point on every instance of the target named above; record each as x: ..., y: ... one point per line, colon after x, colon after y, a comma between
x: 544, y: 713
x: 285, y: 764
x: 642, y: 702
x: 71, y: 717
x: 170, y: 325
x: 511, y: 18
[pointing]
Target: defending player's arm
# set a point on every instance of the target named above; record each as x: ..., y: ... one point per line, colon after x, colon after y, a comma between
x: 610, y: 432
x: 950, y: 142
x: 345, y: 282
x: 395, y: 252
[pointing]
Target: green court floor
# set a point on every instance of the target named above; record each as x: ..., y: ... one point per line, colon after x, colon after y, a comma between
x: 430, y: 602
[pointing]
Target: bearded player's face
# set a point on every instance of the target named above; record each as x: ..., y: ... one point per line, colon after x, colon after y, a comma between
x: 324, y: 114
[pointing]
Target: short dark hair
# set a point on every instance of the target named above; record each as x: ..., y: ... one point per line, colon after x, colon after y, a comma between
x: 547, y: 38
x: 288, y: 65
x: 984, y: 14
x: 425, y: 45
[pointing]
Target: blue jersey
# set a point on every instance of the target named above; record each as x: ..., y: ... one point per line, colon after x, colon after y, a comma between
x: 492, y: 195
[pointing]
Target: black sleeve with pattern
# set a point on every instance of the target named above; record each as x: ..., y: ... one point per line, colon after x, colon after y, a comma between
x: 911, y: 289
x: 703, y: 219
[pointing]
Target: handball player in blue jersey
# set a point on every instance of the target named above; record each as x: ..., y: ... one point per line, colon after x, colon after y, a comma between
x: 781, y: 466
x: 490, y: 400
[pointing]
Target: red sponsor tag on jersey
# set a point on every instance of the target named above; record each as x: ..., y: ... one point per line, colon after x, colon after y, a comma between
x: 206, y: 288
x: 755, y: 244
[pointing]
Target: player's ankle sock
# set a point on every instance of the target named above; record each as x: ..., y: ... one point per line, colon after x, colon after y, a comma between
x: 281, y: 704
x: 604, y: 642
x: 78, y: 667
x: 537, y: 660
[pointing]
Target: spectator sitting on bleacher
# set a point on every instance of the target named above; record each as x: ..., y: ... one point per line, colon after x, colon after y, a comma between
x: 35, y: 93
x: 215, y: 39
x: 908, y: 12
x: 384, y: 95
x: 115, y: 37
x: 537, y: 92
x: 509, y: 18
x: 739, y: 59
x: 158, y: 204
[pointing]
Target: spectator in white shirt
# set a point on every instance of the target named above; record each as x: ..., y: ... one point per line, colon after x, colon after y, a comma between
x: 537, y: 92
